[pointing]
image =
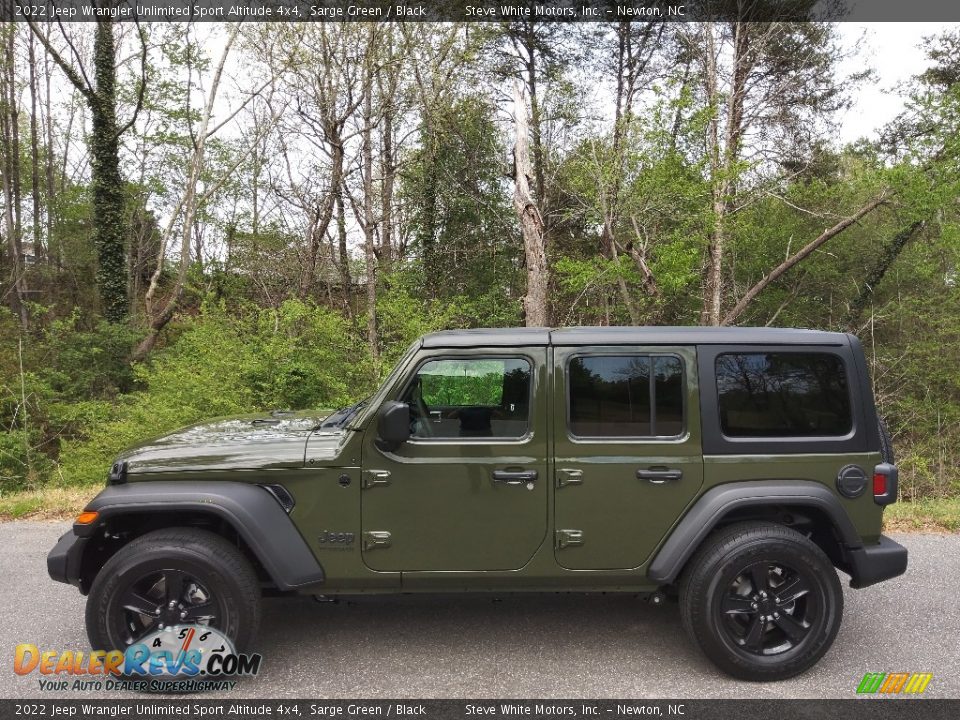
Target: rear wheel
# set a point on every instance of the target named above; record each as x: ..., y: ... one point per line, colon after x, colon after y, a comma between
x: 177, y: 576
x: 762, y: 601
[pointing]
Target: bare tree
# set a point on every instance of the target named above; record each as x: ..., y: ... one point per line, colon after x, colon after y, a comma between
x: 535, y: 302
x: 326, y: 87
x: 9, y: 130
x: 367, y: 220
x: 110, y: 230
x: 34, y: 152
x: 635, y: 45
x: 737, y: 310
x: 183, y: 217
x: 773, y: 83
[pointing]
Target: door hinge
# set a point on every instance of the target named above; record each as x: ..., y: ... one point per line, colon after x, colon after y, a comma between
x: 569, y: 476
x: 372, y: 478
x: 569, y: 538
x: 373, y: 539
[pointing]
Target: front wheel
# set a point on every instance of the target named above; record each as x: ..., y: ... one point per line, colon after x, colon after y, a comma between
x: 762, y: 601
x: 176, y: 576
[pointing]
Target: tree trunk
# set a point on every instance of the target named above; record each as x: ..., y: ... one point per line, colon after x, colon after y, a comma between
x: 388, y: 169
x: 799, y: 256
x: 535, y: 302
x: 535, y: 119
x: 52, y: 251
x: 368, y: 223
x: 388, y: 80
x: 38, y: 252
x: 713, y: 280
x: 11, y: 176
x: 888, y: 256
x: 343, y: 255
x: 632, y: 310
x: 109, y: 219
x: 324, y: 213
x: 724, y: 159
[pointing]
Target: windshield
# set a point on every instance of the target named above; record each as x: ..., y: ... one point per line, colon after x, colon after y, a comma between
x: 374, y: 401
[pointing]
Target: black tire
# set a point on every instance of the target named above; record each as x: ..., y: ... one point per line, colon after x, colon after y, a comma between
x: 221, y: 584
x: 886, y: 443
x: 761, y: 560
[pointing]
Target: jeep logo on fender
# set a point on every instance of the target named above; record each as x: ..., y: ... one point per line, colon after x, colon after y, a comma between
x: 331, y: 537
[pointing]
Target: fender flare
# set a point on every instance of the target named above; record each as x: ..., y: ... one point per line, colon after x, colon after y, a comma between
x: 250, y: 509
x: 718, y: 502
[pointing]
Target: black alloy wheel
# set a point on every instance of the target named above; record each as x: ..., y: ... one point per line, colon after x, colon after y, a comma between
x: 168, y: 597
x: 761, y: 600
x: 768, y: 608
x: 174, y: 576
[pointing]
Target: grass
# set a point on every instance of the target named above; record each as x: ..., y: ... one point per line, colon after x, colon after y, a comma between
x: 64, y: 503
x: 924, y: 516
x: 47, y: 504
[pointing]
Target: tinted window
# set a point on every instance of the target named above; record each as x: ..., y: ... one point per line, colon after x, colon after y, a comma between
x: 782, y: 395
x: 613, y: 396
x: 475, y: 397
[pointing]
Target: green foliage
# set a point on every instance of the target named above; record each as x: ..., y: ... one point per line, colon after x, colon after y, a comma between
x: 21, y: 507
x: 79, y: 362
x: 657, y: 196
x: 646, y: 192
x: 462, y: 224
x: 457, y: 383
x: 297, y: 356
x: 109, y: 219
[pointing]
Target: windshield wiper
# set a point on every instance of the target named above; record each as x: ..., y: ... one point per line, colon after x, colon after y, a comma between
x: 353, y: 411
x: 340, y: 417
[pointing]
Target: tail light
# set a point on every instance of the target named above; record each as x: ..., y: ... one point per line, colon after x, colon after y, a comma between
x: 885, y: 484
x: 879, y: 484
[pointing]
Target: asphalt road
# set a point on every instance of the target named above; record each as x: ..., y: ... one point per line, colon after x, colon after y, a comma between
x: 550, y: 646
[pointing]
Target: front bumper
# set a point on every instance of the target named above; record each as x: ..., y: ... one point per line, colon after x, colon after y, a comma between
x: 64, y: 561
x: 876, y: 563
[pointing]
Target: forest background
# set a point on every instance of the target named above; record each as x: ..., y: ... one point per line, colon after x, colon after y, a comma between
x: 212, y: 219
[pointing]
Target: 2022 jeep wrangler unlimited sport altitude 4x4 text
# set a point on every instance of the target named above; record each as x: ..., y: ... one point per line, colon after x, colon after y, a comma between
x: 737, y: 466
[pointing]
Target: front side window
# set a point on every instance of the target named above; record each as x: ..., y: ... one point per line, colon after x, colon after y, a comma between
x: 780, y: 394
x: 470, y: 398
x: 625, y: 396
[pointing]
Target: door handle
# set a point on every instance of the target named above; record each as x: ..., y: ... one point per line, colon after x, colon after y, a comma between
x: 658, y: 476
x: 514, y: 477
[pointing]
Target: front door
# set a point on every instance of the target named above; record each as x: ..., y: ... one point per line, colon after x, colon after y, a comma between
x: 627, y: 449
x: 468, y: 491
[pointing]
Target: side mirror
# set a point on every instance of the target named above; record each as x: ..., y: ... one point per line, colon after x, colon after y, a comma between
x: 393, y: 427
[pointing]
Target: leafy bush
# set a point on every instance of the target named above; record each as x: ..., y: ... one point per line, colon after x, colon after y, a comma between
x: 297, y: 356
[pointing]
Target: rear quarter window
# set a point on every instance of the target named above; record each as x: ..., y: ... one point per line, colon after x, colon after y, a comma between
x: 783, y: 394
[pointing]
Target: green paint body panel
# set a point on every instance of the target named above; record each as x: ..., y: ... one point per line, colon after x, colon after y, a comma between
x: 441, y: 507
x: 622, y: 518
x: 449, y: 526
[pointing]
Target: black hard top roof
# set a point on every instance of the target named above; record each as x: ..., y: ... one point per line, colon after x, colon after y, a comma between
x: 693, y: 335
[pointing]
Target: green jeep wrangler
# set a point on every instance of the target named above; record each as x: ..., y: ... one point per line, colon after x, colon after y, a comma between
x: 735, y: 467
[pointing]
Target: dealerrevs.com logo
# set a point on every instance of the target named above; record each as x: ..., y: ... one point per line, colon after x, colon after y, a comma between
x: 178, y: 658
x: 894, y: 683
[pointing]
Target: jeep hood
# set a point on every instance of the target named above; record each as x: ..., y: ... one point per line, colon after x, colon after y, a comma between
x: 247, y: 442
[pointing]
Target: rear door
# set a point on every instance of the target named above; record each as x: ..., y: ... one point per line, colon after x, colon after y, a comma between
x: 627, y: 450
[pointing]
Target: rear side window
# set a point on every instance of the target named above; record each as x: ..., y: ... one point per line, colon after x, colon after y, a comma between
x: 626, y: 396
x: 783, y: 395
